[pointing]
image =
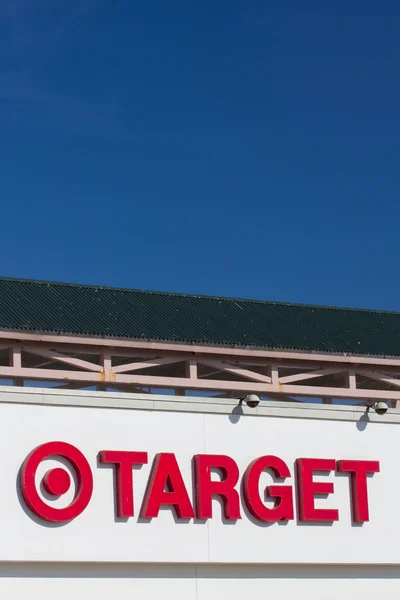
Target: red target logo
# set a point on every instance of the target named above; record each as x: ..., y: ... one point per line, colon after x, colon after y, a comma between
x: 56, y: 482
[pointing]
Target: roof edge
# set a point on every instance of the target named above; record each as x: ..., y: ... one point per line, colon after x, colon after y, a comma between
x: 199, y: 296
x: 191, y: 346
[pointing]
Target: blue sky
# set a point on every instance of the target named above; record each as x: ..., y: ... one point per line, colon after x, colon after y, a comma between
x: 246, y: 149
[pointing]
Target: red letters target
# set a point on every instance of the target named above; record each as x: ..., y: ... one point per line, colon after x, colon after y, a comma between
x: 56, y: 482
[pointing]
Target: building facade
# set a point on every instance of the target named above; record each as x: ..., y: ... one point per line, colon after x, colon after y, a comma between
x: 158, y: 445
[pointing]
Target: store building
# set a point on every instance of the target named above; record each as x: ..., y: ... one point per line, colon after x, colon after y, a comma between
x: 168, y: 446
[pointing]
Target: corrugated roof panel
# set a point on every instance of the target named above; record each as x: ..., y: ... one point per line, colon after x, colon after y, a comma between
x: 37, y: 306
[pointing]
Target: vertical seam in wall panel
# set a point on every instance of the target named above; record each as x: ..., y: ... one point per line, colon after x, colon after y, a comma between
x: 196, y: 576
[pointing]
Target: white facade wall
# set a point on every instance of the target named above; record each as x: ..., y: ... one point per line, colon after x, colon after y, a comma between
x: 97, y: 555
x: 188, y: 582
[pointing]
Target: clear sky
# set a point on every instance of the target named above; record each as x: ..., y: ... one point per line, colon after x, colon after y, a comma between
x: 237, y: 148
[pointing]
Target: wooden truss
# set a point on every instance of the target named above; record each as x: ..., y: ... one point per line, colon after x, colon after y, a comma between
x: 77, y: 362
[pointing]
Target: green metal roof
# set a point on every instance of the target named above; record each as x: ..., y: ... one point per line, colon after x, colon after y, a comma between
x: 71, y: 309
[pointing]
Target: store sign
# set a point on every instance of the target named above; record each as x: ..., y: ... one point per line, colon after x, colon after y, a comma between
x: 214, y: 476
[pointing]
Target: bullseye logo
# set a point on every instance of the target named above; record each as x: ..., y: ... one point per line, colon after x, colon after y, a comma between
x: 56, y: 482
